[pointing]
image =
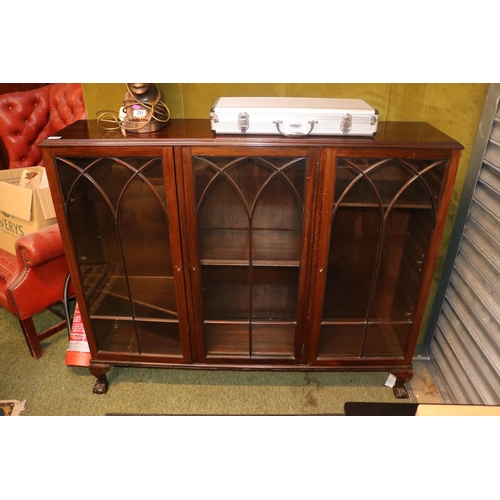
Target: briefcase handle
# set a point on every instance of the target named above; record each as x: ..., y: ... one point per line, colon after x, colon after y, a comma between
x: 295, y: 134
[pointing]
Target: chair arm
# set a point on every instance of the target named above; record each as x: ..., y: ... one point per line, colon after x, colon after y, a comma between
x: 40, y: 247
x: 41, y: 271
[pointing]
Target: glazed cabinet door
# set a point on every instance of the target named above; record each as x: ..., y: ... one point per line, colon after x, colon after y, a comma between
x: 377, y: 224
x: 249, y: 236
x: 122, y: 217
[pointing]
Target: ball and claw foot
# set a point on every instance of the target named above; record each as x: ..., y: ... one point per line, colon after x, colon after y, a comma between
x: 402, y: 377
x: 400, y: 392
x: 101, y: 385
x: 99, y: 371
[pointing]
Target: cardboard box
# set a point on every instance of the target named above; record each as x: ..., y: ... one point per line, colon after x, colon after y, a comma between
x: 25, y: 204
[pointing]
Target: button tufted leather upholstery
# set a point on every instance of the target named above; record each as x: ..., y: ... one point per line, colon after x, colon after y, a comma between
x: 27, y: 118
x: 34, y: 278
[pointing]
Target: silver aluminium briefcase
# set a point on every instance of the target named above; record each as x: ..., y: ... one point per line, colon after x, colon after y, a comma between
x: 293, y: 116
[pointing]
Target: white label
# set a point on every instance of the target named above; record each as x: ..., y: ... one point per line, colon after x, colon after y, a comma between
x: 78, y: 346
x: 391, y: 380
x: 139, y: 113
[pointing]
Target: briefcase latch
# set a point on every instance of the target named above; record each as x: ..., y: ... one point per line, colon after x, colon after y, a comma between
x: 346, y: 123
x: 243, y: 122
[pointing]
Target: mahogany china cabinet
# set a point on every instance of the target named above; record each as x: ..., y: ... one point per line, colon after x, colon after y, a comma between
x: 193, y: 250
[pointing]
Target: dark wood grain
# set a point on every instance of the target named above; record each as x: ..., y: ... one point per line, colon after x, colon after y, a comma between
x: 252, y: 252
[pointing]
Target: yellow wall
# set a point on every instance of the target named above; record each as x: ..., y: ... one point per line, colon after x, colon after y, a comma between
x: 453, y: 108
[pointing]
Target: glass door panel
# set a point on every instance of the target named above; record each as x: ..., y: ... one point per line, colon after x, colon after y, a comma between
x: 119, y: 223
x: 249, y: 220
x: 382, y: 220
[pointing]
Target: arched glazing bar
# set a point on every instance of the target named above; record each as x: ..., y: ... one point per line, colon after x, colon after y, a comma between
x: 254, y: 202
x: 366, y: 174
x: 223, y: 171
x: 127, y: 175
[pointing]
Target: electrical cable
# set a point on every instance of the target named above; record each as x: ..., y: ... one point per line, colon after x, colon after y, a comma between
x: 157, y: 110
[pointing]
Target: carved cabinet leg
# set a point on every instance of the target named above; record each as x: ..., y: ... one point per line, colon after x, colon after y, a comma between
x: 102, y: 384
x: 402, y: 377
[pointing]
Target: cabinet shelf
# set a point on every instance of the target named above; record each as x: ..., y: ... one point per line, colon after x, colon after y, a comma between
x: 363, y: 341
x: 232, y: 247
x: 137, y: 337
x: 255, y: 340
x: 139, y: 296
x: 399, y: 206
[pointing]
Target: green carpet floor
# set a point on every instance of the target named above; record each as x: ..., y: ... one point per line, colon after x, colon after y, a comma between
x: 52, y: 388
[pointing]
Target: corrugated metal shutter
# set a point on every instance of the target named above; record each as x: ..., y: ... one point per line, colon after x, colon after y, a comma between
x: 465, y: 323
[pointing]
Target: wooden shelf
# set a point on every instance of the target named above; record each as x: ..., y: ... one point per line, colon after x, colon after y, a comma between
x: 250, y: 340
x: 151, y: 296
x: 232, y: 247
x: 359, y: 340
x: 146, y: 337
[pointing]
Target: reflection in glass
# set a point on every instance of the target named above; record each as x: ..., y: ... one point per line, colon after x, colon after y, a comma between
x: 382, y: 221
x: 117, y: 215
x: 250, y: 213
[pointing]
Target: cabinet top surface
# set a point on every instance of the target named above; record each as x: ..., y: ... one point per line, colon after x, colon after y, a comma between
x: 196, y: 132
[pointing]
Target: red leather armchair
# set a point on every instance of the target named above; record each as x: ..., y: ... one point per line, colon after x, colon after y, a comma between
x: 29, y: 117
x: 35, y: 277
x: 32, y: 280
